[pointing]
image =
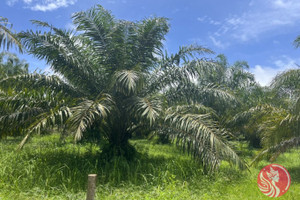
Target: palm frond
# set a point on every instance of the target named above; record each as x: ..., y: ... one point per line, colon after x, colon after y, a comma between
x: 7, y: 37
x: 127, y: 81
x: 65, y: 53
x: 184, y: 54
x: 287, y: 81
x: 200, y: 135
x: 96, y: 24
x: 149, y: 108
x: 256, y: 112
x: 87, y: 112
x: 214, y: 92
x: 151, y: 33
x: 278, y: 149
x: 46, y: 120
x: 36, y: 81
x: 171, y: 76
x: 20, y: 109
x: 297, y: 42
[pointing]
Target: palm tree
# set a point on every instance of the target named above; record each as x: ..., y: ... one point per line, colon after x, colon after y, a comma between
x: 283, y: 132
x: 7, y: 37
x: 11, y: 65
x: 117, y: 81
x: 275, y: 128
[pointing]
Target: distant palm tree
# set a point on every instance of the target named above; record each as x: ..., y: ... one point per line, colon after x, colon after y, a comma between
x: 276, y: 127
x: 117, y: 81
x: 283, y: 133
x: 7, y: 37
x: 11, y: 65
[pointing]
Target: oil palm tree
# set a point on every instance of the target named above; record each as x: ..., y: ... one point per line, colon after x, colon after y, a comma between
x: 283, y: 132
x: 11, y: 65
x: 275, y: 128
x: 117, y: 80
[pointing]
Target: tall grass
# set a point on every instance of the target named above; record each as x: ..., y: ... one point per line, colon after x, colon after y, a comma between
x: 49, y: 169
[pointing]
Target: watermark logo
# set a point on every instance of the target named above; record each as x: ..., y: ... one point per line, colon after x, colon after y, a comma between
x: 274, y: 180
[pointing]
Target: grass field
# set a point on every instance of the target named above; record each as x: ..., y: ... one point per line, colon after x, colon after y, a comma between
x: 49, y: 169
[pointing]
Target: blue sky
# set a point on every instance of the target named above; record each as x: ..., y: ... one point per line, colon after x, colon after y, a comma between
x: 260, y: 32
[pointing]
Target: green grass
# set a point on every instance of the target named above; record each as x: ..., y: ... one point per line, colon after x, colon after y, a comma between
x: 49, y: 169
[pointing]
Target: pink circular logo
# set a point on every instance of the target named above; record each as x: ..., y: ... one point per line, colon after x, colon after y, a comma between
x: 274, y: 180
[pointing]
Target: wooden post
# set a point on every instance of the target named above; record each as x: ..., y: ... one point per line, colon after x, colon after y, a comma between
x: 91, y: 190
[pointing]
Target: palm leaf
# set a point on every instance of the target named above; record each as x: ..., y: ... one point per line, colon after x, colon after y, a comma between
x: 127, y: 81
x: 276, y: 150
x: 36, y: 81
x: 96, y: 24
x: 184, y: 54
x: 46, y: 120
x: 297, y: 42
x: 287, y: 82
x: 65, y: 53
x: 199, y: 134
x: 147, y: 107
x: 7, y: 37
x: 87, y: 112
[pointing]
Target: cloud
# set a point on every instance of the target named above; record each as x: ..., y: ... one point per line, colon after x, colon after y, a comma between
x: 43, y: 5
x: 260, y: 18
x: 209, y: 20
x: 50, y: 5
x: 265, y: 74
x: 27, y: 1
x: 11, y: 2
x: 111, y: 2
x: 116, y: 1
x: 218, y: 43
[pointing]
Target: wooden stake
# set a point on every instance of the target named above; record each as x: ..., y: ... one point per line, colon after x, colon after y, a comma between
x: 91, y: 190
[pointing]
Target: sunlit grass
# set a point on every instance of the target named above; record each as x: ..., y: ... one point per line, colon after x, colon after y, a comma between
x: 49, y: 169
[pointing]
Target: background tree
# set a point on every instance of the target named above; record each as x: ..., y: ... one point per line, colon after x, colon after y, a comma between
x: 281, y: 132
x: 276, y: 123
x: 11, y: 65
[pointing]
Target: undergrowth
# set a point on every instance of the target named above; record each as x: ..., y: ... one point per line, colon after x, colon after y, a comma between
x: 50, y: 169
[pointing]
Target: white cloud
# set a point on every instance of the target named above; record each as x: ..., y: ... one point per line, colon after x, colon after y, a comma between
x: 218, y: 43
x: 265, y: 74
x: 27, y: 1
x: 111, y: 1
x: 42, y: 5
x: 209, y: 20
x: 201, y: 19
x: 261, y: 17
x: 11, y: 2
x: 116, y: 1
x: 50, y: 5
